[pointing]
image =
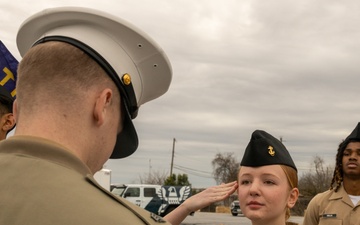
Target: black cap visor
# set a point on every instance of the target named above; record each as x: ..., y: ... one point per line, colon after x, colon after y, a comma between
x: 127, y: 140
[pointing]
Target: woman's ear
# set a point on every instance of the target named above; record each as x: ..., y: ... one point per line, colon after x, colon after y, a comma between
x: 293, y: 197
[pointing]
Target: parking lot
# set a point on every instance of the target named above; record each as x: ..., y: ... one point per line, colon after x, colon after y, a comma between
x: 204, y: 218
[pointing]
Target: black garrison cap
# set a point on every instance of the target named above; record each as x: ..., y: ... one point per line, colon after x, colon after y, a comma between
x: 5, y: 98
x: 263, y: 149
x: 355, y: 134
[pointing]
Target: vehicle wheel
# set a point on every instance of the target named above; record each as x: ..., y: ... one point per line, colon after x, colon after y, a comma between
x: 234, y: 214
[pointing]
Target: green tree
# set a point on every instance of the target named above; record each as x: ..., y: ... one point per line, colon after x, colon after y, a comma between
x: 177, y: 180
x: 183, y: 180
x: 170, y: 180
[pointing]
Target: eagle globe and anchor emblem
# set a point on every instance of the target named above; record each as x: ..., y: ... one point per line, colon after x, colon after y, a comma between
x: 170, y: 195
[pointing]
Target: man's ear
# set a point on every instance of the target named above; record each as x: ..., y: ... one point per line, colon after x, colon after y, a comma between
x: 293, y: 197
x: 9, y: 121
x: 102, y: 105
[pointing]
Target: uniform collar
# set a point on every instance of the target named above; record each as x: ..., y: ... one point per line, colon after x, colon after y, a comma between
x: 45, y: 149
x: 341, y: 194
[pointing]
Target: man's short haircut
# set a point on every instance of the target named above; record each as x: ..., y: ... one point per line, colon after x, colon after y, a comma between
x: 56, y: 71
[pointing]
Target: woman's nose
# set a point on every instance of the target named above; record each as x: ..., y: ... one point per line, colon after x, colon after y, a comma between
x: 254, y: 189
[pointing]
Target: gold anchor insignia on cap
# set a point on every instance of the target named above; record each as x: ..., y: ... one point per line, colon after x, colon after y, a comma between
x: 126, y: 78
x: 271, y: 150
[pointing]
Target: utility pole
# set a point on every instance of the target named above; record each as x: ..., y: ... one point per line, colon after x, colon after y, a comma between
x: 149, y: 167
x: 172, y: 158
x: 281, y: 139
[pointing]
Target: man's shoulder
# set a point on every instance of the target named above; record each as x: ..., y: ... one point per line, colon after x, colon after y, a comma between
x: 324, y: 194
x: 320, y: 199
x: 328, y: 196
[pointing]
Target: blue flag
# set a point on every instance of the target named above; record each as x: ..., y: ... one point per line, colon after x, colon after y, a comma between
x: 8, y: 68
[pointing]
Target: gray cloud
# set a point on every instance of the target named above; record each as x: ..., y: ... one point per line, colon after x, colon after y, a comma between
x: 288, y: 67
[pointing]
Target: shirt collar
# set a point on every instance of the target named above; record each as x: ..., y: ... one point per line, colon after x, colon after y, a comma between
x: 45, y: 149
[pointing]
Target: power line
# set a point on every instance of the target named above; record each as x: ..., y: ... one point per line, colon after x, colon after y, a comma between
x: 201, y: 171
x: 193, y: 173
x: 198, y: 173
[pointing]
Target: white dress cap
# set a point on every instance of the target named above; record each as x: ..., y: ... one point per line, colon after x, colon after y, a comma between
x: 137, y: 65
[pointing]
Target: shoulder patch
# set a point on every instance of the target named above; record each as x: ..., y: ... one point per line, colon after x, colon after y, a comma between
x: 157, y: 218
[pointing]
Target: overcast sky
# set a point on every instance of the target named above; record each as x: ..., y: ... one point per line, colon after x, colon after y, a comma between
x: 288, y: 67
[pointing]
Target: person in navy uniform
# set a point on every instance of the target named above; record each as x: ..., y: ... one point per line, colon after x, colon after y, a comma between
x: 83, y: 76
x: 7, y: 121
x: 267, y: 185
x: 341, y: 203
x: 268, y: 181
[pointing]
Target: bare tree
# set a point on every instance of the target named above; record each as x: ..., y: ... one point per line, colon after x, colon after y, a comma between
x: 225, y: 167
x: 317, y: 180
x: 156, y: 177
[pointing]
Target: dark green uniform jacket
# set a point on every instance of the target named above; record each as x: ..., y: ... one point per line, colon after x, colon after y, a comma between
x: 43, y: 183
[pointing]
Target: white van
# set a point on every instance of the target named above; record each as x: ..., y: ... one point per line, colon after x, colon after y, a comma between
x: 158, y: 199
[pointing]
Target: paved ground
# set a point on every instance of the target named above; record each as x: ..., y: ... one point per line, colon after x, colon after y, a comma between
x: 202, y: 218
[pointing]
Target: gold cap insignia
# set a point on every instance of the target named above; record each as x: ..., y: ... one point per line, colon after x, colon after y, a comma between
x: 126, y: 78
x: 271, y: 150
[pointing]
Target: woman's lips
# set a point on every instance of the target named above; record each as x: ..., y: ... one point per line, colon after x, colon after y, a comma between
x: 254, y: 205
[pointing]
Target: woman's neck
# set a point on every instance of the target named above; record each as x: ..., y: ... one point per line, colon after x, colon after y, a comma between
x: 275, y: 221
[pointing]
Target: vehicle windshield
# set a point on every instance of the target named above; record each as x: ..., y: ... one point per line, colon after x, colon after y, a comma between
x: 118, y: 190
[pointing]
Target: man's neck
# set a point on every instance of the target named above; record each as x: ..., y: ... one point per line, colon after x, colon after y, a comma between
x: 2, y: 136
x: 352, y: 186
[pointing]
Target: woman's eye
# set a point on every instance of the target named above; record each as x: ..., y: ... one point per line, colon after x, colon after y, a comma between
x: 245, y: 182
x: 269, y: 182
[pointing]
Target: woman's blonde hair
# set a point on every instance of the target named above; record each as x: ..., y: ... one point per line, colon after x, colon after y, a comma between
x: 292, y: 177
